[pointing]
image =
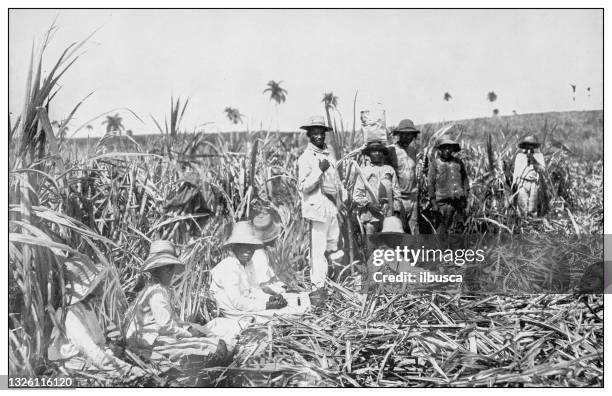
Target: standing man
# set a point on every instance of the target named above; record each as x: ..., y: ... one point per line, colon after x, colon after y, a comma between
x: 319, y: 186
x: 449, y: 187
x: 406, y: 164
x: 528, y: 165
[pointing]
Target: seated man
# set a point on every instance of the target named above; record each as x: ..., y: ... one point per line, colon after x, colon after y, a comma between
x: 82, y: 346
x: 155, y: 330
x: 233, y: 287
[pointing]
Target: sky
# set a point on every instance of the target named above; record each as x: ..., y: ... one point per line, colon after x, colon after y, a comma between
x: 405, y: 60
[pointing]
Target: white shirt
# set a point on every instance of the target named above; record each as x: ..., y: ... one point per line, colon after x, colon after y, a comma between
x: 524, y: 171
x: 233, y: 287
x: 153, y: 316
x: 259, y: 271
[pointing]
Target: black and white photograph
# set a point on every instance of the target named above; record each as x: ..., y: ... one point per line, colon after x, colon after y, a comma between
x: 327, y: 198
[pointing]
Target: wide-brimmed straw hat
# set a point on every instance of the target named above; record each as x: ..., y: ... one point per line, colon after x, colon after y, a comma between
x: 315, y: 121
x: 529, y: 140
x: 405, y: 126
x: 161, y: 254
x: 391, y: 228
x: 375, y: 146
x: 448, y: 142
x: 243, y: 233
x: 266, y: 227
x: 81, y: 276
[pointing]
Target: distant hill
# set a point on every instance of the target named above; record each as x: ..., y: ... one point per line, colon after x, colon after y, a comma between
x: 579, y: 131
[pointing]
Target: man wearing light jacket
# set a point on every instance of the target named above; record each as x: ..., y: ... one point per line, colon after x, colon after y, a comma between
x: 320, y: 187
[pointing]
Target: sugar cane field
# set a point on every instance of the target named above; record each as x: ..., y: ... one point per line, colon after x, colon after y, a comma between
x: 107, y: 198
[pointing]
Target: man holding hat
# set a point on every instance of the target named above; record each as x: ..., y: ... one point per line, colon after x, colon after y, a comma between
x: 320, y: 186
x: 528, y: 165
x: 449, y: 186
x: 382, y: 181
x: 406, y: 164
x: 155, y: 329
x: 82, y: 346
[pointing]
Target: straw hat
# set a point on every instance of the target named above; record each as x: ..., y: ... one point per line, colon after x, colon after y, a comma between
x: 448, y: 142
x: 265, y: 227
x: 392, y: 227
x: 375, y: 146
x: 405, y: 126
x: 161, y: 253
x: 529, y: 140
x: 315, y: 121
x: 81, y: 276
x: 243, y: 233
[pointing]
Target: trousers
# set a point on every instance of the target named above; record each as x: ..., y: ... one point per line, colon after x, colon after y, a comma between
x: 527, y: 197
x: 324, y: 237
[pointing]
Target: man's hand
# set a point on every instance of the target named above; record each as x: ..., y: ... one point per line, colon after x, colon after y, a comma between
x: 276, y: 302
x: 323, y: 165
x: 267, y: 289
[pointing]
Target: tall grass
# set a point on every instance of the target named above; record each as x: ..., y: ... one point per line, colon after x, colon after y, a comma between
x: 109, y: 204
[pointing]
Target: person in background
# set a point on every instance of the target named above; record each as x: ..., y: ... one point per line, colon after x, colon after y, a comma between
x: 259, y: 270
x: 82, y: 344
x: 528, y: 165
x: 405, y: 162
x: 155, y: 329
x: 449, y: 186
x: 382, y: 181
x: 320, y: 188
x: 239, y: 296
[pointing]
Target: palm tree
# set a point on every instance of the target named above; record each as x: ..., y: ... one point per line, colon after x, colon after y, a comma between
x: 491, y: 96
x: 495, y: 112
x: 589, y: 91
x: 89, y: 127
x: 331, y: 102
x: 277, y: 94
x: 113, y: 123
x: 447, y: 97
x: 573, y: 92
x: 233, y: 115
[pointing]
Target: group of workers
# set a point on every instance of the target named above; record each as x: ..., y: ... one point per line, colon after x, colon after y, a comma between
x: 244, y: 285
x: 245, y: 288
x: 388, y: 187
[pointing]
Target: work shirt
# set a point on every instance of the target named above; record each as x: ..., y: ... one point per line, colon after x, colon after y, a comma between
x: 523, y: 170
x: 379, y: 178
x: 259, y: 271
x: 406, y: 170
x: 84, y: 336
x: 153, y: 316
x: 314, y: 184
x: 233, y: 289
x: 447, y: 179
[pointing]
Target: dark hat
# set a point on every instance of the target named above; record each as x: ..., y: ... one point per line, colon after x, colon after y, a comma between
x: 375, y: 146
x: 405, y: 126
x: 448, y: 142
x: 316, y: 121
x: 529, y: 140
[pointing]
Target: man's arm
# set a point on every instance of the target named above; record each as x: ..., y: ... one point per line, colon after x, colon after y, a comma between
x: 309, y: 174
x: 431, y: 176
